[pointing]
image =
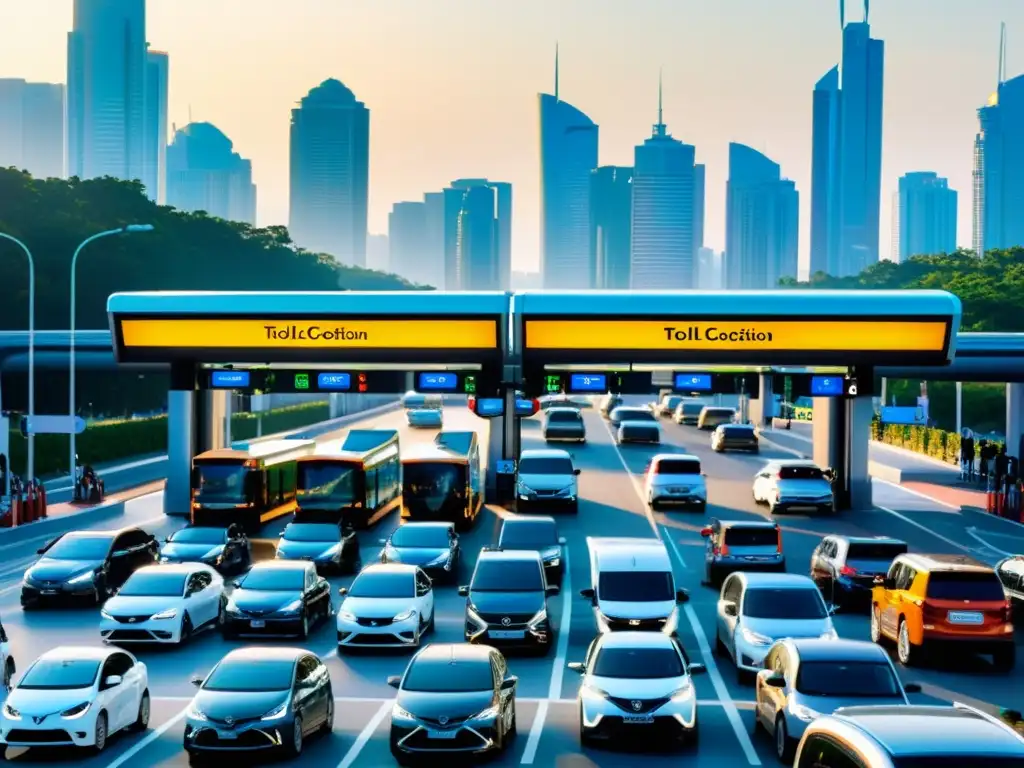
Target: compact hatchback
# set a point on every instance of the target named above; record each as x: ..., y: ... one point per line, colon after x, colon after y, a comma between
x: 845, y: 567
x: 564, y: 424
x: 688, y: 411
x: 794, y: 484
x: 931, y: 600
x: 677, y: 479
x: 741, y: 545
x: 547, y: 479
x: 734, y: 437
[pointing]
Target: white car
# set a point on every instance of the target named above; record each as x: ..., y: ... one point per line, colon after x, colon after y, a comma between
x: 676, y: 478
x: 6, y: 658
x: 389, y: 605
x: 791, y: 484
x: 76, y: 696
x: 163, y: 604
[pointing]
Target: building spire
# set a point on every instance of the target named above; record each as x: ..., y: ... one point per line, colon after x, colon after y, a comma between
x: 1002, y: 54
x: 867, y: 10
x: 842, y: 14
x: 556, y: 71
x: 659, y: 127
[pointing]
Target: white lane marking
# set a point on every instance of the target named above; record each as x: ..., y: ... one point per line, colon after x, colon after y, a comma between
x: 920, y: 495
x: 365, y: 735
x: 926, y: 529
x: 535, y: 732
x: 555, y: 689
x: 732, y: 712
x: 149, y: 739
x: 973, y: 533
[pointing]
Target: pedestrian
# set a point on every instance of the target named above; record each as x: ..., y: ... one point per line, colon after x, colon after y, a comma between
x: 983, y: 461
x: 967, y: 456
x: 999, y: 466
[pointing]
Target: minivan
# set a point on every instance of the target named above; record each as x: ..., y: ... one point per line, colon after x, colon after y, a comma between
x: 713, y: 416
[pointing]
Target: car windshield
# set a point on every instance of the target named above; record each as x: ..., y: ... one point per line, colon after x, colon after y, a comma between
x: 316, y: 532
x: 953, y: 585
x: 437, y: 676
x: 507, y: 576
x: 737, y: 433
x: 72, y: 547
x: 874, y: 552
x: 638, y: 663
x: 633, y: 414
x: 383, y: 585
x: 785, y: 603
x: 693, y: 408
x: 571, y: 417
x: 800, y: 473
x: 222, y: 481
x: 671, y: 403
x: 552, y: 466
x: 250, y: 675
x: 636, y: 586
x: 274, y: 579
x: 528, y: 534
x: 847, y: 679
x: 424, y: 480
x: 157, y: 582
x: 331, y: 482
x: 677, y: 467
x: 426, y: 536
x: 752, y: 537
x: 56, y: 675
x: 211, y: 536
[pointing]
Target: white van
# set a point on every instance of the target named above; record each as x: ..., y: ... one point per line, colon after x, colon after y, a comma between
x: 633, y: 586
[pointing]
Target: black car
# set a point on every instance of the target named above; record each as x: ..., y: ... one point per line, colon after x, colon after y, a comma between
x: 433, y: 546
x: 226, y: 549
x: 506, y: 601
x: 259, y: 700
x: 87, y: 565
x: 453, y: 699
x: 329, y: 546
x: 277, y: 598
x: 539, y: 534
x: 845, y: 567
x: 1011, y: 573
x: 564, y: 424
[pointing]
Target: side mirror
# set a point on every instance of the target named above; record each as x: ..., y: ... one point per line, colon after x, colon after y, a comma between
x: 682, y: 596
x: 196, y: 681
x: 112, y: 681
x: 509, y: 683
x: 342, y: 591
x: 730, y: 609
x: 235, y: 583
x: 912, y: 688
x: 587, y: 594
x: 706, y: 531
x: 577, y: 666
x: 41, y: 551
x: 552, y: 590
x: 464, y: 591
x: 576, y: 471
x: 395, y: 681
x: 832, y: 608
x: 775, y: 681
x: 696, y: 669
x: 561, y: 540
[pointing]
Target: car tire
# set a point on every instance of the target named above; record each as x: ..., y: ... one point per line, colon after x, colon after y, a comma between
x: 186, y: 629
x: 574, y: 508
x: 304, y: 626
x: 702, y: 507
x: 142, y: 718
x: 905, y: 651
x: 9, y: 670
x: 876, y: 625
x: 585, y: 739
x: 328, y: 724
x: 784, y: 746
x: 100, y: 733
x: 433, y: 615
x: 720, y: 649
x: 513, y: 729
x: 1004, y: 659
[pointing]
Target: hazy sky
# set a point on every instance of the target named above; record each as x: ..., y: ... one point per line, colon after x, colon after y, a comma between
x: 452, y: 84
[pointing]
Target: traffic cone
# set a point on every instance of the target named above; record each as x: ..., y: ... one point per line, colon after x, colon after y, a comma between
x: 42, y: 501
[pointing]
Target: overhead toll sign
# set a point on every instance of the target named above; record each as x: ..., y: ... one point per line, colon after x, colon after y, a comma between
x: 738, y: 340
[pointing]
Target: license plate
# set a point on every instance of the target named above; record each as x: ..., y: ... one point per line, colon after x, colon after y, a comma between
x: 757, y: 557
x: 49, y: 591
x: 507, y: 634
x: 965, y: 617
x: 638, y: 719
x: 227, y: 735
x: 441, y: 734
x: 678, y: 490
x: 257, y: 623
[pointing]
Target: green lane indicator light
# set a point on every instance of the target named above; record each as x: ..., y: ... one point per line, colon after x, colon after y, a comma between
x: 302, y: 381
x: 553, y: 384
x: 469, y: 385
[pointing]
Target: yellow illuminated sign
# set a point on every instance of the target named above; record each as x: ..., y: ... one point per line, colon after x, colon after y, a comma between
x: 309, y: 334
x: 733, y: 335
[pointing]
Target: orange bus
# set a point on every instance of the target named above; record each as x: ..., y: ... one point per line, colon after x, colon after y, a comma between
x: 443, y: 481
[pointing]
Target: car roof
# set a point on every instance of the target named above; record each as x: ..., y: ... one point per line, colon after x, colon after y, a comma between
x: 669, y: 456
x: 454, y: 652
x: 267, y: 653
x: 939, y: 731
x: 512, y: 555
x: 633, y: 408
x: 78, y: 653
x: 515, y: 519
x: 866, y: 539
x: 94, y: 534
x: 932, y: 563
x: 403, y: 568
x: 545, y: 453
x: 745, y: 523
x: 816, y: 649
x: 563, y: 409
x: 777, y: 580
x: 178, y: 568
x: 794, y: 462
x: 282, y: 565
x: 736, y: 426
x: 637, y: 640
x: 427, y: 524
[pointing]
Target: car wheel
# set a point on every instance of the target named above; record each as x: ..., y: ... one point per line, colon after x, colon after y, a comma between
x: 142, y: 718
x: 905, y: 652
x: 720, y: 649
x: 585, y: 738
x: 433, y: 614
x: 876, y: 625
x: 574, y: 508
x: 328, y: 724
x: 186, y: 629
x: 304, y: 626
x: 783, y: 744
x: 513, y: 729
x: 99, y: 735
x: 294, y: 745
x: 8, y: 674
x: 702, y: 507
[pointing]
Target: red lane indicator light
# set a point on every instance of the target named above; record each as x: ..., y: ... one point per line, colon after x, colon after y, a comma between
x: 361, y: 383
x: 847, y: 571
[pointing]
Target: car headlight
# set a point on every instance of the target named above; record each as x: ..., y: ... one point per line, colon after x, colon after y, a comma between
x: 685, y: 691
x: 523, y: 488
x: 405, y: 615
x: 11, y: 713
x: 347, y: 616
x: 538, y: 618
x: 486, y: 714
x: 401, y: 714
x: 170, y: 613
x: 755, y: 638
x: 830, y: 634
x: 232, y: 606
x: 83, y: 578
x: 439, y: 560
x: 293, y: 607
x: 588, y: 691
x: 194, y: 713
x: 473, y: 616
x: 105, y: 615
x: 331, y: 551
x: 553, y: 562
x: 277, y: 712
x: 805, y: 713
x: 76, y: 711
x: 213, y: 554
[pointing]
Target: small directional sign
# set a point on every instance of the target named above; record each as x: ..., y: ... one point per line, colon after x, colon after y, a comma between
x: 52, y: 425
x: 506, y: 466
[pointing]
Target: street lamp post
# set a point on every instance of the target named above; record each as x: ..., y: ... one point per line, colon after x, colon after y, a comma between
x: 31, y: 463
x: 130, y: 229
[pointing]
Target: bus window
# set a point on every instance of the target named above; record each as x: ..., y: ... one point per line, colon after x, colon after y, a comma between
x: 333, y: 482
x: 427, y: 480
x: 220, y: 482
x: 388, y: 479
x: 371, y: 488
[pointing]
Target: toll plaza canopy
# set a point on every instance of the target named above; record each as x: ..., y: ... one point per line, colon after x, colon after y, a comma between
x: 333, y: 326
x: 797, y: 327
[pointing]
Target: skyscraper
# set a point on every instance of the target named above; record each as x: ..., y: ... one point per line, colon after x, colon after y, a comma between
x: 999, y: 166
x: 204, y: 173
x: 433, y: 243
x: 329, y: 175
x: 927, y: 215
x: 709, y: 270
x: 451, y: 205
x: 32, y: 127
x: 847, y: 156
x: 611, y: 209
x: 761, y: 222
x: 106, y: 89
x: 407, y: 236
x: 155, y: 128
x: 568, y: 153
x: 698, y: 208
x: 662, y: 253
x: 477, y: 251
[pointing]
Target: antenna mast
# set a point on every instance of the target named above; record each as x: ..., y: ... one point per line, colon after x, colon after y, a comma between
x: 1002, y: 54
x: 842, y: 14
x: 556, y: 71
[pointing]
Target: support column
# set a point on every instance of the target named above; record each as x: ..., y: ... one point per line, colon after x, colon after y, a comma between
x: 181, y: 444
x: 859, y: 413
x: 335, y: 405
x: 762, y: 409
x: 841, y: 432
x: 211, y: 413
x: 1014, y: 419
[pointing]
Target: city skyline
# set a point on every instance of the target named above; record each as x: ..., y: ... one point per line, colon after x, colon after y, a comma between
x: 930, y: 118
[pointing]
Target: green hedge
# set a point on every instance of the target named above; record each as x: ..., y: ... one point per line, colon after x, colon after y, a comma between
x: 108, y: 441
x: 930, y: 441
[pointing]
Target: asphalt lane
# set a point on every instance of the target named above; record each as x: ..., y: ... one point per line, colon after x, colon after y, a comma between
x: 547, y: 714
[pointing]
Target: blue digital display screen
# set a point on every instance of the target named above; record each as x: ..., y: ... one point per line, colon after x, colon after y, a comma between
x: 524, y: 407
x: 229, y: 379
x: 827, y: 386
x: 693, y: 382
x: 488, y: 407
x: 588, y: 382
x: 437, y: 381
x: 340, y: 382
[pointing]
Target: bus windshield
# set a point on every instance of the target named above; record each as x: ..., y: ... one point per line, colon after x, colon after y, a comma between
x: 423, y: 480
x: 220, y: 481
x: 332, y: 482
